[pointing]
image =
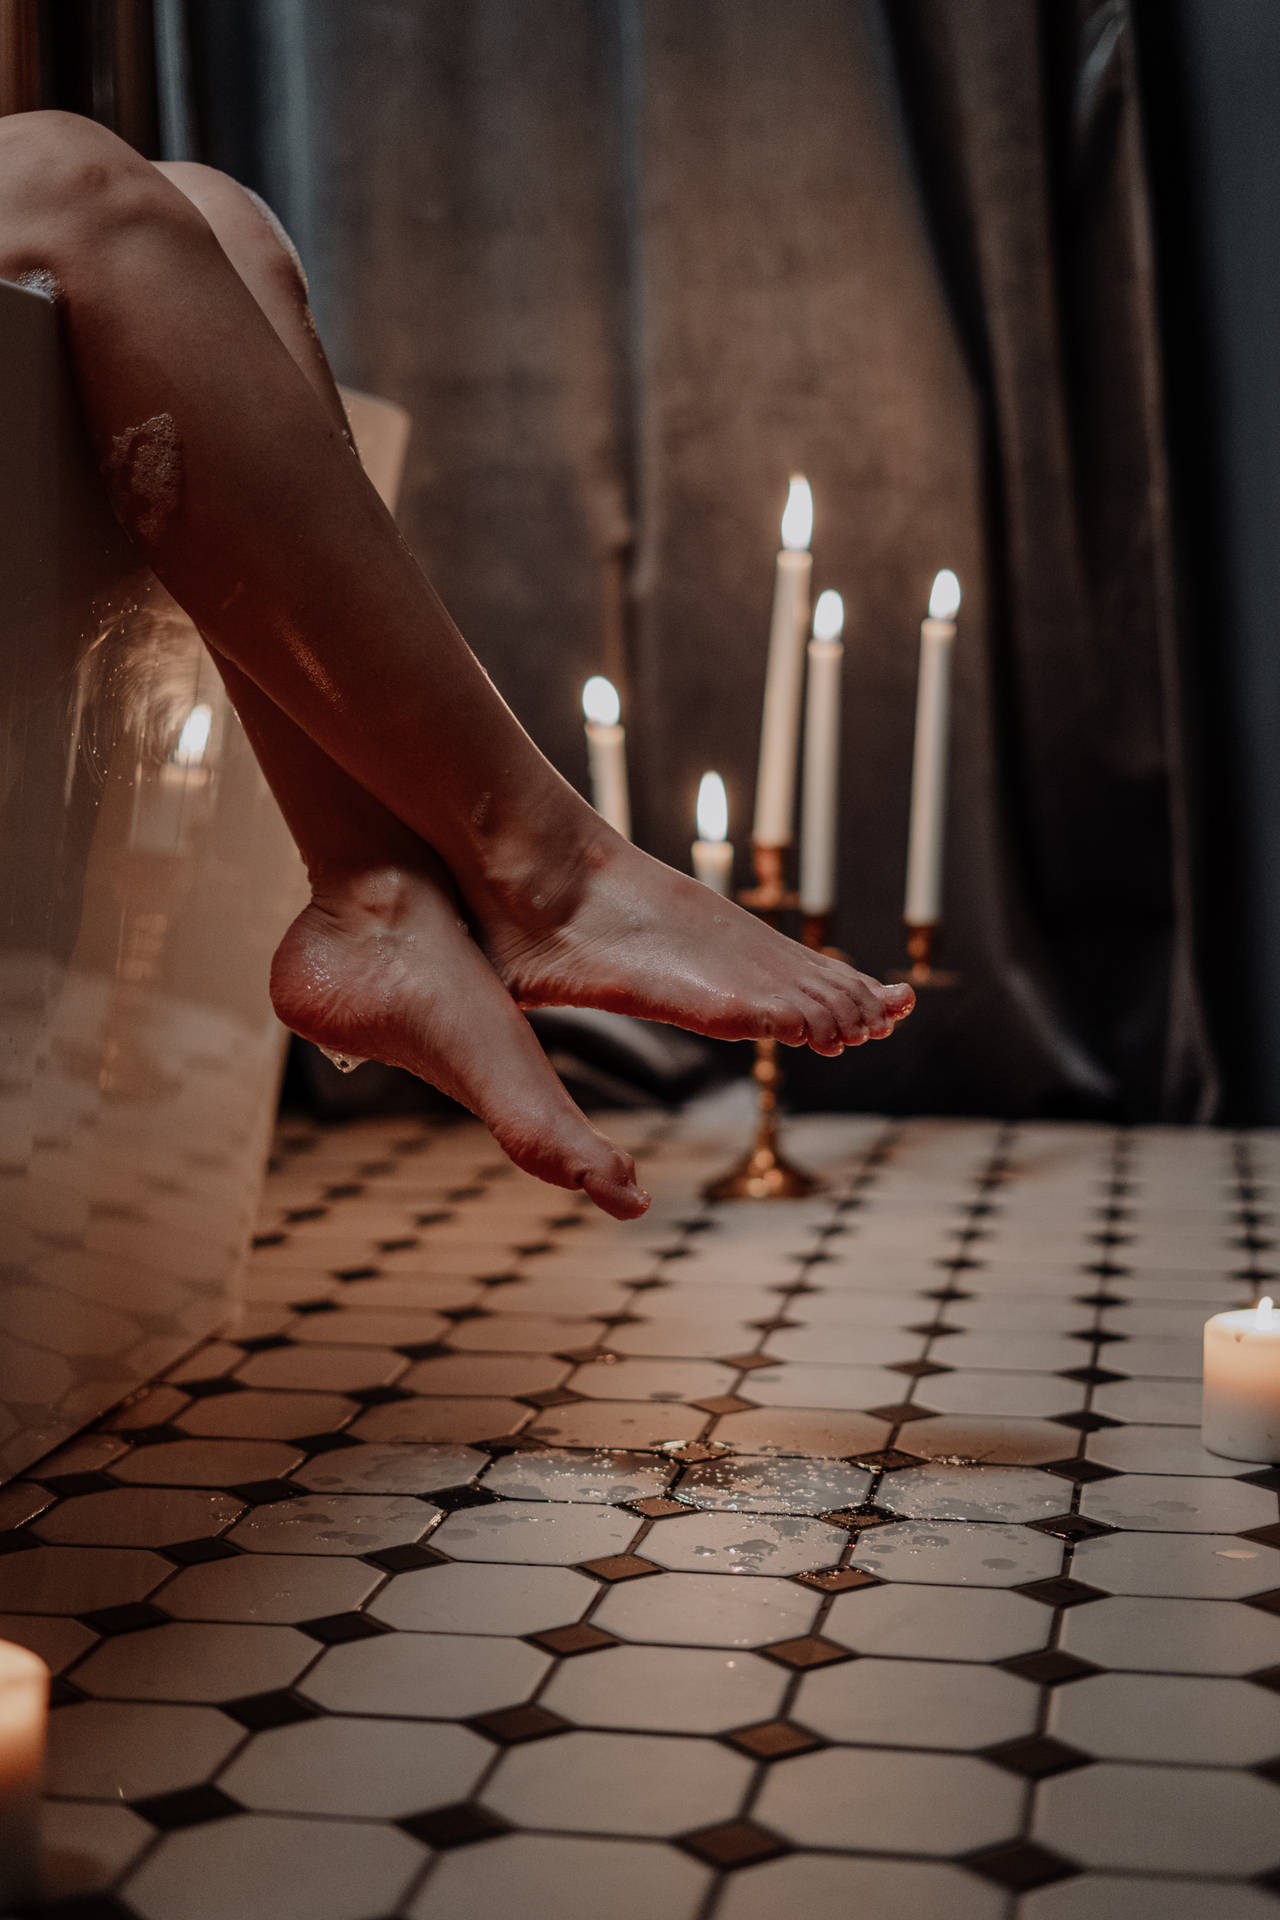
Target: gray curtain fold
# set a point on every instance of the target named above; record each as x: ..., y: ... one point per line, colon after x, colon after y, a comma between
x: 631, y: 262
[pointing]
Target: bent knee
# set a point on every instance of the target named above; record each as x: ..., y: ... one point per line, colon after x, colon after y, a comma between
x: 62, y: 176
x: 242, y: 221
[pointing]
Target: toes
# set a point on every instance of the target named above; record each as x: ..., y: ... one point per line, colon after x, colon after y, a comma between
x: 822, y: 1027
x: 898, y: 1000
x: 612, y: 1184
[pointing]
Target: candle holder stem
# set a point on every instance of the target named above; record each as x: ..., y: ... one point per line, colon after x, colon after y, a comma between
x: 922, y: 940
x: 765, y: 1172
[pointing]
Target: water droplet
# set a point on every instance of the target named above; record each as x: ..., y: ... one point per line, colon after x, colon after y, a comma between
x: 344, y: 1062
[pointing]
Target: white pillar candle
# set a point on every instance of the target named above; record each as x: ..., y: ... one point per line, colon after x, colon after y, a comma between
x: 1240, y: 1411
x: 607, y: 753
x: 780, y: 724
x: 820, y: 785
x: 923, y: 906
x: 713, y: 850
x: 24, y: 1708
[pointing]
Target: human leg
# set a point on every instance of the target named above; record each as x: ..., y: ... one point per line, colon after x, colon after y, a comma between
x: 250, y: 507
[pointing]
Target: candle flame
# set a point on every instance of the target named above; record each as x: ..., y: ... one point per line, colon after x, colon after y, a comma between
x: 944, y: 600
x: 1266, y: 1309
x: 797, y: 517
x: 194, y: 737
x: 828, y: 616
x: 600, y: 701
x: 713, y: 808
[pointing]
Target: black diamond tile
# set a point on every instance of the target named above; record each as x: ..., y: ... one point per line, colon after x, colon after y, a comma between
x: 1268, y: 1477
x: 511, y: 1726
x: 18, y: 1541
x: 567, y: 1641
x: 1037, y: 1756
x: 264, y: 1493
x: 1101, y: 1300
x: 193, y: 1553
x: 1085, y: 1422
x: 434, y: 1219
x: 1071, y: 1526
x: 336, y: 1629
x: 1091, y: 1376
x: 1060, y: 1592
x: 658, y: 1507
x: 1269, y: 1770
x: 268, y: 1240
x: 297, y: 1216
x: 423, y: 1350
x: 1266, y: 1677
x: 805, y: 1652
x: 900, y: 1413
x: 733, y: 1843
x: 1081, y: 1471
x: 312, y: 1443
x: 406, y: 1559
x: 90, y: 1906
x: 1020, y: 1865
x: 264, y: 1343
x: 919, y: 1369
x: 499, y: 1279
x: 345, y: 1190
x: 452, y: 1499
x: 315, y: 1306
x: 211, y: 1389
x: 887, y: 1460
x: 856, y: 1520
x: 836, y: 1579
x: 724, y: 1403
x: 1269, y: 1602
x: 746, y: 1362
x: 1265, y: 1536
x: 550, y: 1397
x: 259, y: 1711
x: 377, y: 1396
x: 63, y: 1693
x: 190, y: 1807
x: 68, y: 1485
x: 461, y: 1825
x: 133, y: 1617
x: 158, y: 1436
x: 773, y: 1740
x: 355, y: 1273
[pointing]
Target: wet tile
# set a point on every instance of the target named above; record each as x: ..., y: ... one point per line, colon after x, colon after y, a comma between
x: 1193, y: 1566
x: 372, y: 1769
x: 490, y: 1374
x: 545, y: 1877
x: 625, y: 1783
x: 984, y: 1555
x: 77, y: 1579
x: 616, y: 1425
x: 21, y: 1501
x: 460, y: 1421
x: 1173, y: 1636
x: 852, y: 1342
x: 938, y: 1623
x: 1161, y: 1819
x: 207, y: 1463
x: 1178, y: 1503
x: 807, y: 1432
x: 1033, y: 1396
x: 276, y: 1589
x: 523, y: 1332
x: 858, y: 1799
x: 255, y: 1415
x: 333, y: 1523
x: 119, y: 1750
x: 471, y: 1597
x: 185, y: 1661
x: 536, y: 1532
x: 137, y: 1517
x: 783, y: 1485
x: 1138, y: 1716
x: 379, y: 1327
x: 778, y: 1544
x: 710, y: 1610
x: 669, y: 1380
x: 265, y: 1867
x: 1015, y: 1352
x: 425, y: 1675
x: 86, y: 1847
x: 938, y: 1492
x: 1161, y: 1450
x: 683, y: 1337
x: 88, y: 1453
x: 559, y: 1474
x: 666, y: 1689
x: 323, y: 1369
x: 822, y: 1888
x: 1159, y: 1402
x: 916, y: 1703
x: 393, y: 1468
x: 58, y: 1642
x: 976, y: 1442
x: 804, y: 1385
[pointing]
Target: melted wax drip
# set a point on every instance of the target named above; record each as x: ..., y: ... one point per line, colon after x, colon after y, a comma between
x: 344, y: 1062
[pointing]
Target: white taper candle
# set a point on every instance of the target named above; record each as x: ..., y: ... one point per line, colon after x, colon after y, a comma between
x: 780, y: 722
x: 24, y: 1708
x: 820, y: 786
x: 607, y: 753
x: 923, y: 907
x: 713, y: 850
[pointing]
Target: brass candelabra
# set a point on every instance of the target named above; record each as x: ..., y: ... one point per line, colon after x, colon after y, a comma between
x: 764, y: 1172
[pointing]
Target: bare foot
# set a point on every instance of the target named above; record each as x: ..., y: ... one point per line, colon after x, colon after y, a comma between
x: 607, y: 926
x: 379, y: 966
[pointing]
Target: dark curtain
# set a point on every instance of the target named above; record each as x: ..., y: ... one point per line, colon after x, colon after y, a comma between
x: 631, y: 262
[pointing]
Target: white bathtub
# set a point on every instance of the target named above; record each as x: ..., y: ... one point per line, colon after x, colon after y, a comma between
x: 145, y: 875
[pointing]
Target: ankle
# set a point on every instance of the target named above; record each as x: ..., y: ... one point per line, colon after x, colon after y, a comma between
x: 534, y: 867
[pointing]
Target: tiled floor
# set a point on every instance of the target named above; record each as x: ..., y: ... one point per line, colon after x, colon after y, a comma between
x: 851, y: 1556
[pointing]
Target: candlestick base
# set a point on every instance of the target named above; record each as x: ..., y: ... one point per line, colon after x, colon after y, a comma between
x: 922, y: 974
x: 763, y: 1174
